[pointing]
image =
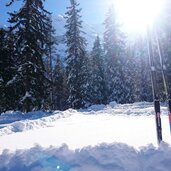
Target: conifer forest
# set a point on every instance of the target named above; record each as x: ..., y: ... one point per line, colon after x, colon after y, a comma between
x: 35, y: 76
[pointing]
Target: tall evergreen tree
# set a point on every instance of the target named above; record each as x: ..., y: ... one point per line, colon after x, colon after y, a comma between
x: 4, y: 63
x: 30, y: 24
x: 164, y: 36
x: 142, y: 75
x: 98, y: 82
x: 77, y: 61
x: 114, y: 45
x: 130, y: 72
x: 7, y: 71
x: 59, y: 84
x: 3, y: 56
x: 49, y: 61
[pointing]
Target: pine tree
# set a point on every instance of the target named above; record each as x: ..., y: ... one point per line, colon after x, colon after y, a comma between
x: 164, y: 35
x: 30, y: 25
x: 130, y: 71
x: 49, y: 60
x: 7, y: 71
x: 142, y: 76
x: 98, y: 82
x: 144, y: 71
x: 77, y: 61
x: 114, y: 45
x: 59, y: 84
x: 4, y: 63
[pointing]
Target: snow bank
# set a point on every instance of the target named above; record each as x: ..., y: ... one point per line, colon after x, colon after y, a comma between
x: 105, y: 157
x: 12, y: 116
x: 130, y: 128
x: 141, y: 108
x: 12, y: 122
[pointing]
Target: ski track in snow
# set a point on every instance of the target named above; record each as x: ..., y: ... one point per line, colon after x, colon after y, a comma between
x: 101, y: 138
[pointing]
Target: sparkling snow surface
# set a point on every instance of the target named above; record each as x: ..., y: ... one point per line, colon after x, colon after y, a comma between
x: 126, y: 131
x: 130, y: 124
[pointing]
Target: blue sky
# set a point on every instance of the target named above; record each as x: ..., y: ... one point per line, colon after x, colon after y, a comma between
x: 93, y: 11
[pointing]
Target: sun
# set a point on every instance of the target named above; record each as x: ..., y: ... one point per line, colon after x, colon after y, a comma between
x: 137, y: 15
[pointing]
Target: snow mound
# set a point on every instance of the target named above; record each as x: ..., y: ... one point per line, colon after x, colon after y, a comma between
x: 94, y: 108
x: 112, y: 104
x: 12, y: 122
x: 12, y: 116
x: 18, y: 122
x: 105, y: 157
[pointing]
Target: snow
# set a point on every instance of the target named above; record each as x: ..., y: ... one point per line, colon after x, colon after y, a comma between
x: 101, y: 138
x: 153, y: 68
x: 60, y: 18
x: 1, y: 80
x: 105, y: 157
x: 11, y: 81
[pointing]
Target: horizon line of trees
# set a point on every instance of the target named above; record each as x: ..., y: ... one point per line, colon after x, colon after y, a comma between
x: 33, y: 76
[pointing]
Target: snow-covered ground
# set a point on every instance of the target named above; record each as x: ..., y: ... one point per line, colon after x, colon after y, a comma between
x: 101, y: 138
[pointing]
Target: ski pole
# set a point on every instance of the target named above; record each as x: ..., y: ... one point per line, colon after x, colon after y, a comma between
x: 154, y: 88
x: 164, y: 76
x: 169, y: 112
